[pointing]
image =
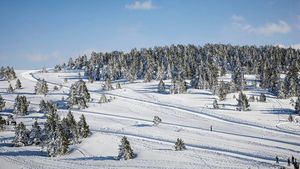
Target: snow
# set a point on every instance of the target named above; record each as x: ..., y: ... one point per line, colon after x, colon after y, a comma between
x: 249, y: 139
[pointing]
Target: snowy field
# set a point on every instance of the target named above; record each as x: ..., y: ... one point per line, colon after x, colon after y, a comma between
x: 240, y: 139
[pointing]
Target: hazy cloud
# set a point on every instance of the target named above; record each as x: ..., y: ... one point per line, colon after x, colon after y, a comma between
x: 141, y: 5
x: 42, y: 57
x: 268, y: 29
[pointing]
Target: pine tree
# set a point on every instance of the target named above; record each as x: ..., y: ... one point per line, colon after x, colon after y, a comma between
x: 2, y: 123
x: 161, y: 87
x: 2, y: 103
x: 21, y: 105
x: 18, y: 84
x: 179, y: 145
x: 290, y: 118
x: 215, y: 104
x: 156, y: 120
x: 84, y: 129
x: 43, y: 106
x: 243, y: 103
x: 125, y: 150
x: 72, y: 125
x: 35, y: 134
x: 21, y: 135
x: 41, y: 87
x: 297, y: 106
x: 222, y: 91
x: 10, y: 89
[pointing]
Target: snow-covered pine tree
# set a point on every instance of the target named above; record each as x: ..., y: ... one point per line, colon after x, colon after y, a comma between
x: 156, y: 120
x: 243, y: 103
x: 72, y: 125
x: 297, y: 105
x: 21, y: 135
x: 222, y: 91
x: 237, y: 78
x: 2, y: 123
x: 21, y: 105
x: 2, y: 103
x: 41, y: 87
x: 215, y: 104
x: 161, y: 87
x: 84, y: 130
x: 10, y: 89
x: 18, y: 84
x: 43, y: 106
x: 125, y: 150
x: 179, y: 145
x: 35, y: 134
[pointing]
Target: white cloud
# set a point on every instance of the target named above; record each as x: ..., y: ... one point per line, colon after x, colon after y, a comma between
x: 141, y: 5
x: 268, y: 29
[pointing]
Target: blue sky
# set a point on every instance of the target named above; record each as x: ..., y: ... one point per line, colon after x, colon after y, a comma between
x: 37, y: 33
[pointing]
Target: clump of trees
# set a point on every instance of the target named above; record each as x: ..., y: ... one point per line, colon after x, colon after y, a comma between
x: 243, y: 103
x: 7, y: 73
x: 21, y: 105
x: 79, y: 94
x: 202, y: 65
x: 156, y: 120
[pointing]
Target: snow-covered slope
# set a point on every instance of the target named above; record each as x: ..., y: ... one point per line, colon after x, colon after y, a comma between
x: 248, y: 139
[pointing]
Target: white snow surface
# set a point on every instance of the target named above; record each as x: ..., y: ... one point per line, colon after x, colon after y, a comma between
x: 249, y: 139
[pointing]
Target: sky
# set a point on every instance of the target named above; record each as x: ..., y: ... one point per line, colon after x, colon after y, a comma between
x: 43, y: 33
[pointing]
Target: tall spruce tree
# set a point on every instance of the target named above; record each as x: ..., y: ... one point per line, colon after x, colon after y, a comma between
x: 84, y: 129
x: 2, y: 103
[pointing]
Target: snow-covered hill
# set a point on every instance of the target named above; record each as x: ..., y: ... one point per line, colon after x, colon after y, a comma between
x: 239, y: 139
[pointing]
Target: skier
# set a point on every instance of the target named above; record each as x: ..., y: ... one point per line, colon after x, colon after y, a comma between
x: 288, y: 161
x: 211, y: 128
x: 277, y: 160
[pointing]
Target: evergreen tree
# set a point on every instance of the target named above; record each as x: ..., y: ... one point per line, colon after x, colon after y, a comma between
x: 243, y: 103
x: 290, y: 118
x: 161, y: 87
x: 2, y: 123
x: 41, y: 87
x: 43, y: 106
x: 125, y: 150
x: 156, y: 120
x: 21, y: 135
x: 35, y: 134
x: 84, y: 129
x: 21, y: 105
x: 2, y: 103
x: 179, y: 145
x: 215, y: 104
x: 10, y: 89
x: 222, y: 91
x: 72, y: 125
x: 297, y: 106
x: 18, y: 84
